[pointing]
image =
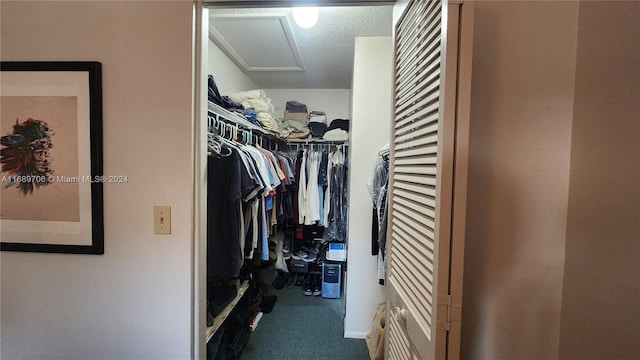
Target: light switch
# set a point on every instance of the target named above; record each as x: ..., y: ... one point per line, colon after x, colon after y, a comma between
x: 162, y: 219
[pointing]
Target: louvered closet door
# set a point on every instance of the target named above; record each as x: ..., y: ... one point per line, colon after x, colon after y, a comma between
x: 422, y: 167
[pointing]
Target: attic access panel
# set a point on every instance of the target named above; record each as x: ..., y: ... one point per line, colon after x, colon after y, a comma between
x: 257, y: 42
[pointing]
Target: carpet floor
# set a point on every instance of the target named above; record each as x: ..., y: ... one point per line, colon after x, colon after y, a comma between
x: 303, y: 328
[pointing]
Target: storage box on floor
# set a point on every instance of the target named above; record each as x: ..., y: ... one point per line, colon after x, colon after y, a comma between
x: 331, y: 280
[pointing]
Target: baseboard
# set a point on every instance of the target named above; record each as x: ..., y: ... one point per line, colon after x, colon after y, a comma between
x: 354, y: 335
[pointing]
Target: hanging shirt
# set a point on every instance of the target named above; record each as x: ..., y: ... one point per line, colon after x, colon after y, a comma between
x: 322, y: 170
x: 312, y: 212
x: 262, y: 168
x: 302, y: 188
x: 264, y: 238
x: 321, y: 205
x: 224, y: 254
x: 255, y: 226
x: 273, y: 171
x: 250, y: 169
x: 294, y: 196
x: 327, y: 199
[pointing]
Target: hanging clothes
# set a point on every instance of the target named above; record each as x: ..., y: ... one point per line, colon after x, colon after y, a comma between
x: 270, y: 192
x: 247, y: 194
x: 337, y: 228
x: 312, y: 211
x: 321, y: 190
x: 379, y: 195
x: 224, y: 255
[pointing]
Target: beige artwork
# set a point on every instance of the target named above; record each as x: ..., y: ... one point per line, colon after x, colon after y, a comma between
x: 58, y: 200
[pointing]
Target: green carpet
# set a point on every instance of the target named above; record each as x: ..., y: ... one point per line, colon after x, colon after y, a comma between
x: 303, y: 328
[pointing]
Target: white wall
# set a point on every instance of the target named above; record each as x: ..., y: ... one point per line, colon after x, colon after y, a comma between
x: 336, y: 103
x: 133, y: 302
x: 370, y: 129
x: 520, y: 140
x: 228, y: 76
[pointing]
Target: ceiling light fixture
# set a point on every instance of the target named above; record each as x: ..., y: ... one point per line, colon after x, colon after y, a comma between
x: 306, y: 16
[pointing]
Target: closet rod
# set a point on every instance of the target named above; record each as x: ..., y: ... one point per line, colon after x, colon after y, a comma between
x: 318, y: 141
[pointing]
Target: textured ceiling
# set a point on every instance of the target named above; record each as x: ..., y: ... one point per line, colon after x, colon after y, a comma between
x: 326, y: 49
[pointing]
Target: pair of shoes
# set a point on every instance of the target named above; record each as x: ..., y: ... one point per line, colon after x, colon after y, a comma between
x: 307, y: 286
x: 312, y: 256
x: 307, y: 290
x: 306, y: 255
x: 286, y: 246
x: 312, y: 286
x: 317, y: 286
x: 300, y: 254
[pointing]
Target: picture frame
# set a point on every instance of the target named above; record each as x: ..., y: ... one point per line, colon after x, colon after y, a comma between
x: 51, y: 177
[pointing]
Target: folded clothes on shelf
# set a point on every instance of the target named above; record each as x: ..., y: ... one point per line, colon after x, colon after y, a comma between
x: 294, y: 106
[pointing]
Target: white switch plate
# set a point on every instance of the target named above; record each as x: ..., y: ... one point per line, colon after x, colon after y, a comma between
x: 162, y: 219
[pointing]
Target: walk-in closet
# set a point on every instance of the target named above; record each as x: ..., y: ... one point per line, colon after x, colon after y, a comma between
x: 375, y: 149
x: 298, y: 116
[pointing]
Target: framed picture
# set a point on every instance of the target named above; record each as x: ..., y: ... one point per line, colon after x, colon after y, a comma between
x: 51, y: 177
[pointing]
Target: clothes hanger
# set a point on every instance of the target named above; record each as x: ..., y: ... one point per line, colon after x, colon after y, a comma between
x: 245, y: 136
x: 211, y: 122
x: 221, y: 128
x: 215, y: 144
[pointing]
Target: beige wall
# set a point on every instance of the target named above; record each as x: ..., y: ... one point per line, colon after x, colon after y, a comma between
x: 521, y: 112
x: 601, y: 297
x: 228, y: 76
x: 369, y: 132
x: 133, y: 302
